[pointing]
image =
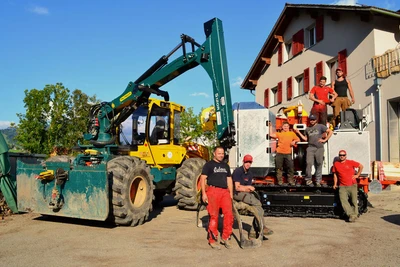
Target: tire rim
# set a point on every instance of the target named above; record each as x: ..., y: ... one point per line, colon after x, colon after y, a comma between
x: 138, y: 191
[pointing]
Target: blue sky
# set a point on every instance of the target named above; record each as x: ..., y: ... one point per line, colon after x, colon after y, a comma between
x: 99, y: 46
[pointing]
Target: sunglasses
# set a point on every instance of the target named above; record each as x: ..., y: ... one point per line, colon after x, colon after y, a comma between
x: 248, y: 162
x: 342, y: 155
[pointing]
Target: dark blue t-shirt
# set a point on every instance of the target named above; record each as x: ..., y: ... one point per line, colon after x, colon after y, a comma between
x: 243, y: 177
x: 217, y: 173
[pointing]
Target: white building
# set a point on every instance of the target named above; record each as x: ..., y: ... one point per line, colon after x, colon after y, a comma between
x: 309, y: 41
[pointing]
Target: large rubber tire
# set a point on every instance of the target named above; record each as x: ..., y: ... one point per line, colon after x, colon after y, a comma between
x: 132, y: 190
x: 187, y: 183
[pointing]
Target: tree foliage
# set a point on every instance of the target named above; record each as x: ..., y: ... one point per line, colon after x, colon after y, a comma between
x: 191, y: 129
x: 54, y: 118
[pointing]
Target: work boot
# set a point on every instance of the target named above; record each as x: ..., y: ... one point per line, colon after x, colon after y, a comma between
x: 267, y: 231
x: 227, y: 243
x: 292, y: 182
x: 352, y: 218
x: 309, y: 183
x: 215, y: 245
x: 317, y: 184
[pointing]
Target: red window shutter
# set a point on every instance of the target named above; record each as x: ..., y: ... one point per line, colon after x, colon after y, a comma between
x: 319, y: 28
x: 301, y: 40
x: 319, y: 71
x: 342, y: 56
x: 280, y: 55
x: 294, y: 44
x: 266, y: 98
x: 298, y: 42
x: 289, y: 87
x: 306, y: 75
x: 279, y: 92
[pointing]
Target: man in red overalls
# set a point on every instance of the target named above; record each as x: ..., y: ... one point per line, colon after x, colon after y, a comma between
x: 320, y: 94
x: 218, y: 195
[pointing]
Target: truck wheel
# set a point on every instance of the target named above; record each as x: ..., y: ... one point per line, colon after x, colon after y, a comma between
x: 188, y: 183
x: 132, y: 190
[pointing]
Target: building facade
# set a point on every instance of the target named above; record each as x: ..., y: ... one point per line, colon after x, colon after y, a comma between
x: 310, y: 41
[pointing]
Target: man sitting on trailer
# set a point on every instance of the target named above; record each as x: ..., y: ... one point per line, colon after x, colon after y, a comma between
x: 245, y: 192
x: 344, y: 169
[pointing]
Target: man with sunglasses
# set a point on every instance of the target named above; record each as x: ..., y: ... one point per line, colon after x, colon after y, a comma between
x: 243, y: 180
x: 342, y: 102
x: 344, y: 170
x: 316, y: 135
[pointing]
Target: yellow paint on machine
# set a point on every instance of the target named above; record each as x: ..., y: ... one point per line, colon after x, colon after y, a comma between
x: 122, y: 99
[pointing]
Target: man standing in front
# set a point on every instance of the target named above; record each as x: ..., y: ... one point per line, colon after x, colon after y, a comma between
x: 321, y: 95
x: 344, y: 169
x: 218, y: 195
x: 315, y: 135
x: 243, y: 179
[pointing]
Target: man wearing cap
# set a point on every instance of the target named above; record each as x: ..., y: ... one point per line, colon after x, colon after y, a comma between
x: 315, y: 136
x: 342, y: 102
x: 243, y: 179
x: 286, y: 139
x: 345, y: 170
x: 322, y: 96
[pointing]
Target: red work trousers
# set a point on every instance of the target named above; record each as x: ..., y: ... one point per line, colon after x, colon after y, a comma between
x: 320, y: 112
x: 219, y: 198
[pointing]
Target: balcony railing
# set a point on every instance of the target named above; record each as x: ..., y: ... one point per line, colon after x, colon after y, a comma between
x: 388, y: 63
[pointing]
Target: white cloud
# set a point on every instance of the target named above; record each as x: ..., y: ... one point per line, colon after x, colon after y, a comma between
x: 237, y: 81
x: 39, y: 10
x: 200, y: 94
x: 4, y: 124
x: 346, y: 2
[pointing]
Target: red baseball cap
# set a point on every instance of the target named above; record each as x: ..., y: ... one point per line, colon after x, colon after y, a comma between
x: 344, y: 151
x: 247, y: 158
x: 339, y: 68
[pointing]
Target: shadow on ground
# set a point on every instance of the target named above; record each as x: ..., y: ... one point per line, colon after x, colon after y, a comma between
x: 168, y: 201
x: 395, y: 219
x: 157, y: 210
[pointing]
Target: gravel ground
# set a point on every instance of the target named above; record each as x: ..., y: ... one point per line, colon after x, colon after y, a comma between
x: 171, y: 238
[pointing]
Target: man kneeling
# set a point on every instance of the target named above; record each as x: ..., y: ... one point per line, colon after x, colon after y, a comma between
x: 243, y: 178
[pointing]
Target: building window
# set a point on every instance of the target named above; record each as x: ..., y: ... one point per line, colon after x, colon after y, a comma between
x: 311, y: 38
x: 299, y: 85
x: 274, y: 98
x: 288, y: 51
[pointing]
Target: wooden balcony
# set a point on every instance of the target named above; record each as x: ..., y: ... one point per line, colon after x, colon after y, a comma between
x: 388, y: 63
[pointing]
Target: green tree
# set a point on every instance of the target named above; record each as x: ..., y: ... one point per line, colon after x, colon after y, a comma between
x: 53, y: 118
x: 190, y: 125
x: 32, y: 129
x: 192, y: 130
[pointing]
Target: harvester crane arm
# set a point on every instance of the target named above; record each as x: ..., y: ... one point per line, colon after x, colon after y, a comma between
x: 211, y: 55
